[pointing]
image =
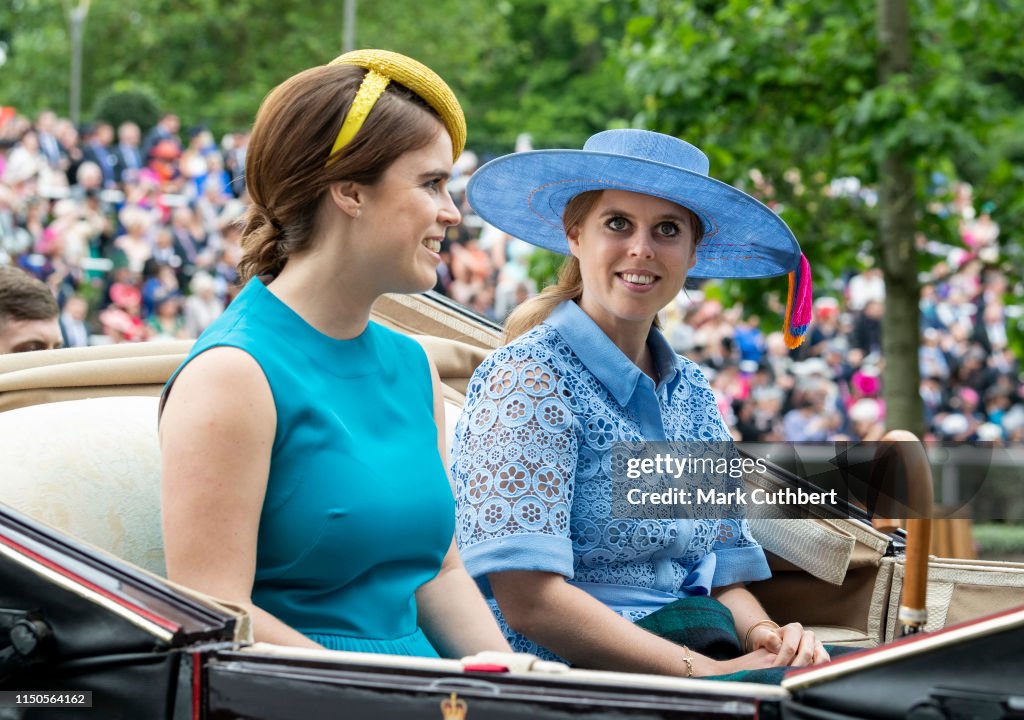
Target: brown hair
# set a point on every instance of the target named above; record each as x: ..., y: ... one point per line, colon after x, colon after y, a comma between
x: 570, y: 280
x: 22, y: 297
x: 287, y: 172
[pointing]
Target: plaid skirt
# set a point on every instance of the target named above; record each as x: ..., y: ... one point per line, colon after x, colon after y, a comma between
x: 706, y: 626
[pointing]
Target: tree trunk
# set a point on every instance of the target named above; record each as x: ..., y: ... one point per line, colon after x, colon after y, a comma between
x: 900, y: 324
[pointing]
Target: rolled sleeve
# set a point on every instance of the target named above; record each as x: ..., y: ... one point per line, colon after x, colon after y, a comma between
x: 543, y: 553
x: 740, y: 565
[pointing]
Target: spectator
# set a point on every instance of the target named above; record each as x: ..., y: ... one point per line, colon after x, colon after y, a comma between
x: 165, y: 131
x: 98, y: 150
x: 203, y: 306
x: 28, y: 313
x: 129, y: 155
x: 73, y: 327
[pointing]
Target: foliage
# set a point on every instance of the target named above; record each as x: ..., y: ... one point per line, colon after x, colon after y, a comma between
x: 784, y: 97
x: 127, y: 102
x: 999, y: 539
x: 782, y: 94
x: 543, y: 267
x: 793, y: 102
x: 536, y: 66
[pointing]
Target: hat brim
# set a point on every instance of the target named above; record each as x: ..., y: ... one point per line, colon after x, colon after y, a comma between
x: 524, y: 194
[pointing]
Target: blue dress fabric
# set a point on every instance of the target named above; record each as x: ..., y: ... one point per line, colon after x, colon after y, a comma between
x: 531, y: 466
x: 358, y: 511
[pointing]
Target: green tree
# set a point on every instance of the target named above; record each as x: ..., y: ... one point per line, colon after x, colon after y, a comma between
x: 127, y: 102
x: 787, y: 97
x: 537, y: 66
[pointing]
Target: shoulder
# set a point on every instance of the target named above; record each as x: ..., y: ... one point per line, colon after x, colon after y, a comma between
x: 403, y: 350
x: 223, y: 393
x: 220, y: 370
x: 542, y: 345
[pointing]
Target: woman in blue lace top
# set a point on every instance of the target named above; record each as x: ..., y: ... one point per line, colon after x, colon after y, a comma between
x: 586, y: 367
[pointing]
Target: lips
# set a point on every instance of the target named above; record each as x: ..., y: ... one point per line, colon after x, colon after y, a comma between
x: 635, y: 277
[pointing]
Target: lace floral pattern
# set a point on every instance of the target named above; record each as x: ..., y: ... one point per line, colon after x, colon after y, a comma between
x: 531, y: 458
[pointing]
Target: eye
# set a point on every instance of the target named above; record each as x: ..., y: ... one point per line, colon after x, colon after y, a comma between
x: 434, y: 183
x: 617, y: 224
x: 668, y: 229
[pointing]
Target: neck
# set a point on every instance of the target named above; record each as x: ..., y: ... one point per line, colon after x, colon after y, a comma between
x: 325, y: 292
x: 629, y: 336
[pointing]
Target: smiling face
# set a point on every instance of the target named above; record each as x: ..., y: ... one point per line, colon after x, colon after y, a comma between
x: 634, y: 252
x: 403, y: 218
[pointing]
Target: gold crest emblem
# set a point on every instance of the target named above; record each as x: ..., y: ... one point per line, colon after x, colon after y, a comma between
x: 454, y: 708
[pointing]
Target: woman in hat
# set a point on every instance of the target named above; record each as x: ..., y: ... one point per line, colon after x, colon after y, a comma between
x: 586, y: 366
x: 302, y: 474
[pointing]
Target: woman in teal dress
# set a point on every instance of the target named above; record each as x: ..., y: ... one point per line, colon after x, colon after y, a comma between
x: 302, y: 442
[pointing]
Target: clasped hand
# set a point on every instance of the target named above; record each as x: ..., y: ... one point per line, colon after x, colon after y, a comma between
x: 790, y: 644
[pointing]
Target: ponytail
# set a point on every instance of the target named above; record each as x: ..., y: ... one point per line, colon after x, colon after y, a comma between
x: 536, y: 310
x: 262, y: 245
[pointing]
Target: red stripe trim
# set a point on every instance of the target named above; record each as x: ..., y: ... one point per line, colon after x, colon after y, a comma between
x: 197, y: 685
x: 127, y: 604
x: 906, y: 640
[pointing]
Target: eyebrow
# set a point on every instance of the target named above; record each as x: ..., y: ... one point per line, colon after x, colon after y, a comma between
x: 435, y: 173
x: 660, y: 218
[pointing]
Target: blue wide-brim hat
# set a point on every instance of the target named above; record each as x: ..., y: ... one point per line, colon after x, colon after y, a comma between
x: 525, y: 194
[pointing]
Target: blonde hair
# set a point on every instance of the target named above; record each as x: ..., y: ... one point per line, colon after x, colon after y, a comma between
x: 570, y: 279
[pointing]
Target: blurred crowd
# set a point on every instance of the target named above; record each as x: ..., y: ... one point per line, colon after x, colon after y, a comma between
x: 135, y: 232
x: 132, y: 229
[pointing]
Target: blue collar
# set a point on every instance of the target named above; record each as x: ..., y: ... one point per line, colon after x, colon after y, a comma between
x: 605, y: 360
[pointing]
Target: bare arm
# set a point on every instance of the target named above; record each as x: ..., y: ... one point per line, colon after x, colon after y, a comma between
x: 586, y: 632
x: 216, y: 435
x: 452, y: 611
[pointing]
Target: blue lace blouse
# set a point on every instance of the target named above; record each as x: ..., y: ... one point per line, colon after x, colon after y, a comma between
x: 531, y: 466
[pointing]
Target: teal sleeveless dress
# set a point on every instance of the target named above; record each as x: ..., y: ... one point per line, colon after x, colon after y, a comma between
x: 358, y: 512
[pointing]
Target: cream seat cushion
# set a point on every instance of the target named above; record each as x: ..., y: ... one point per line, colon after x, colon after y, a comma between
x: 90, y: 468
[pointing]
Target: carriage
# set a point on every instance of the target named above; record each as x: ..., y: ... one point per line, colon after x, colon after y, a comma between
x: 90, y: 627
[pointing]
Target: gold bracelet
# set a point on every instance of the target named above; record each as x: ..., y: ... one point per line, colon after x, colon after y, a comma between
x: 746, y: 637
x: 688, y: 659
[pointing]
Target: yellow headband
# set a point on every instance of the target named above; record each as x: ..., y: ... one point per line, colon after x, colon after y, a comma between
x: 384, y: 66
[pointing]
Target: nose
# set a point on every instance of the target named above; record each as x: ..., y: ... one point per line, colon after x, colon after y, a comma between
x: 641, y: 246
x: 448, y: 213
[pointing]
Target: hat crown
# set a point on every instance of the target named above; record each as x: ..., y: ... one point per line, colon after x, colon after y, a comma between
x: 650, y: 146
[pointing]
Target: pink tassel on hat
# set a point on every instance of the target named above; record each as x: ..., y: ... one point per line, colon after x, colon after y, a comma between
x: 798, y: 305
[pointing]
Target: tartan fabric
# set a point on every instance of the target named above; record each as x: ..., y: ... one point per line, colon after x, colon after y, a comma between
x: 706, y: 626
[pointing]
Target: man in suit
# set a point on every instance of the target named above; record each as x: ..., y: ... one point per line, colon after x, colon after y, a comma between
x: 128, y: 153
x: 72, y: 322
x: 97, y: 149
x: 46, y: 124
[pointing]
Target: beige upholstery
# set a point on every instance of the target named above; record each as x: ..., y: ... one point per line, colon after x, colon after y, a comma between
x: 90, y: 468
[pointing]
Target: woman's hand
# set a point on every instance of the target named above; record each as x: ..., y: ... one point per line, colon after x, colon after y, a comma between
x: 790, y: 644
x: 756, y: 660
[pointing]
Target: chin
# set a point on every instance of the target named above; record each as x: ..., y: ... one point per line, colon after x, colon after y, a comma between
x: 419, y: 283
